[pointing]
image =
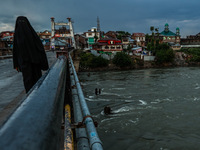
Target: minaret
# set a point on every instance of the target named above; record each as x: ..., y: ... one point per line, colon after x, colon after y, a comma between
x: 177, y: 31
x: 166, y: 27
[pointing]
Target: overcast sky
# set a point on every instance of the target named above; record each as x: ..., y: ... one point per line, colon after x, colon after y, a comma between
x: 127, y: 15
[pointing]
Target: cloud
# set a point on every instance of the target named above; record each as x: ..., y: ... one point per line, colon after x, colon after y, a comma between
x: 128, y: 15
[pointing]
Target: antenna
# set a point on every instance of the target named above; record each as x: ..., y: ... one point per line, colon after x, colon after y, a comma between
x: 98, y: 25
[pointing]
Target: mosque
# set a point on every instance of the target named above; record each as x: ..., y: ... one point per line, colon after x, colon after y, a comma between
x: 170, y: 37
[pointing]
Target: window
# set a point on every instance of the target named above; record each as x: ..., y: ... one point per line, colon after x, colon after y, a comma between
x: 118, y: 47
x: 112, y: 47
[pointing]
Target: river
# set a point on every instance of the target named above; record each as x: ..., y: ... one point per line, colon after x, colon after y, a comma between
x: 152, y: 109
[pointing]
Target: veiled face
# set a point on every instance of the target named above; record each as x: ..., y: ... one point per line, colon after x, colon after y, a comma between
x: 21, y: 20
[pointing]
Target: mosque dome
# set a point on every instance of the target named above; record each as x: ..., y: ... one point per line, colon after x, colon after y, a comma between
x: 166, y: 24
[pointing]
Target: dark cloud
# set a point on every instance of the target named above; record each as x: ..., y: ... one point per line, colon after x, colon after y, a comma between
x: 128, y: 15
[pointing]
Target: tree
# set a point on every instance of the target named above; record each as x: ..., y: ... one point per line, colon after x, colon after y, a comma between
x: 164, y: 54
x: 91, y: 61
x: 121, y: 59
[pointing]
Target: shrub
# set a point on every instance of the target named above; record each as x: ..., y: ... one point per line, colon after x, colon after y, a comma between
x: 121, y: 59
x: 91, y: 61
x: 165, y: 56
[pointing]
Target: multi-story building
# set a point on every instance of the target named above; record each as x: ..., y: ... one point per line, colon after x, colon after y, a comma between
x: 191, y: 40
x: 45, y: 38
x: 109, y: 46
x: 139, y: 39
x: 92, y: 36
x: 81, y: 41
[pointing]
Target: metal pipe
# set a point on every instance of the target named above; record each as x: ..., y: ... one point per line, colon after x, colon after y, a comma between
x: 36, y: 123
x: 95, y: 142
x: 81, y: 135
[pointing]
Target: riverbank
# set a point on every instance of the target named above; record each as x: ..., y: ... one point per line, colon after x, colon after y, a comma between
x: 179, y: 61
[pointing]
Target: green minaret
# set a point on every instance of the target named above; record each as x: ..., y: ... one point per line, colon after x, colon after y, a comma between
x: 166, y: 27
x: 177, y: 31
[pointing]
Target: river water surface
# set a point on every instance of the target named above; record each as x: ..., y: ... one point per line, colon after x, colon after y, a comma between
x: 156, y: 109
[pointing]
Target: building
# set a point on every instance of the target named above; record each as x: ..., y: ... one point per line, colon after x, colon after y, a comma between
x: 6, y: 34
x: 191, y: 40
x: 92, y: 36
x: 109, y: 46
x: 81, y: 41
x: 111, y: 34
x: 139, y: 39
x: 6, y: 42
x: 62, y: 38
x: 45, y: 38
x: 169, y: 36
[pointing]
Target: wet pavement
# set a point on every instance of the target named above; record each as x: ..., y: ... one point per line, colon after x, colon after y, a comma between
x: 11, y: 86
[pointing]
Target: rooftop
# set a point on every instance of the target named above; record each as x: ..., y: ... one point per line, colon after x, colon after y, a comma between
x: 169, y: 33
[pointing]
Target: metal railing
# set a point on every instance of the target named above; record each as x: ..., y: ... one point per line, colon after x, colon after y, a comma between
x: 84, y: 115
x: 36, y: 123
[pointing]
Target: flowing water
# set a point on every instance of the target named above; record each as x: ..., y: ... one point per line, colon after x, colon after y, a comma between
x: 156, y: 109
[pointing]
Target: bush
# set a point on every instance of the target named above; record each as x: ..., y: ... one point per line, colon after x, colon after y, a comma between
x: 194, y: 52
x: 164, y: 53
x: 91, y: 61
x: 121, y: 59
x: 165, y: 56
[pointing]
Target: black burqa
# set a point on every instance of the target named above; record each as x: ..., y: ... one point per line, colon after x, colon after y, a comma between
x: 28, y: 53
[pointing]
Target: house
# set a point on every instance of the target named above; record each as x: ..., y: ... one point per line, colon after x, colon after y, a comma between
x: 81, y: 41
x: 62, y: 38
x: 127, y: 41
x: 139, y: 39
x: 109, y: 46
x: 45, y: 37
x: 111, y: 34
x: 6, y: 42
x: 92, y: 36
x: 6, y: 34
x: 191, y: 40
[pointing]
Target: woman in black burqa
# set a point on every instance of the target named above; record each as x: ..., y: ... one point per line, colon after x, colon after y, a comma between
x: 29, y: 55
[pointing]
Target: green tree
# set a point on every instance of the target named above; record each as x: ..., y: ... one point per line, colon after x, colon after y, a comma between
x: 121, y: 59
x: 164, y: 54
x: 91, y: 61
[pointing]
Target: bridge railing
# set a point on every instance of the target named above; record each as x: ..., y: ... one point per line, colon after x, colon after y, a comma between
x: 82, y: 114
x: 36, y: 123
